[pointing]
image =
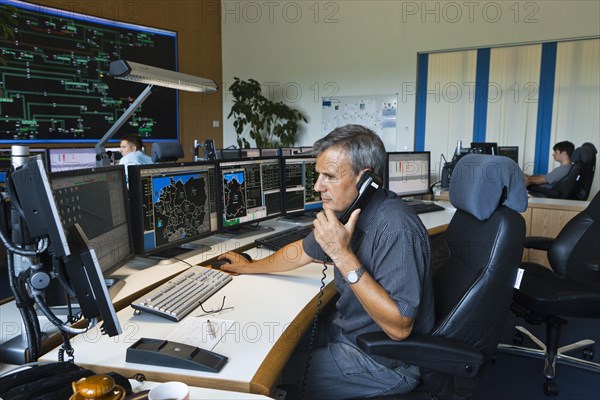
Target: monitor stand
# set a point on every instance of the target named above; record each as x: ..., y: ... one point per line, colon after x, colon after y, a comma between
x: 180, y: 250
x: 412, y: 201
x: 246, y: 231
x: 302, y: 219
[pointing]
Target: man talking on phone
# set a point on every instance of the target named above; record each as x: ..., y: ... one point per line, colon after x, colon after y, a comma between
x: 381, y: 257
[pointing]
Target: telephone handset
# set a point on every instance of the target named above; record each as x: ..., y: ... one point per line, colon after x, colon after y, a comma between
x: 367, y: 185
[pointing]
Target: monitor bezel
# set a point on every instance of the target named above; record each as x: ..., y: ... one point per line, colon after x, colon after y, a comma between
x: 387, y: 172
x: 136, y: 210
x: 121, y: 171
x: 225, y: 228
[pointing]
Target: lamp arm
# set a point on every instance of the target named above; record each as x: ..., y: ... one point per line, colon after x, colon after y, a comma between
x: 101, y: 157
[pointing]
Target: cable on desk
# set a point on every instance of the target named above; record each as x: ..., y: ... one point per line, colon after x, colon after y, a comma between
x: 183, y: 261
x: 313, y: 331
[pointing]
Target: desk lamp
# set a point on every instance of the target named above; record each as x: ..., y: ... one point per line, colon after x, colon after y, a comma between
x: 132, y: 71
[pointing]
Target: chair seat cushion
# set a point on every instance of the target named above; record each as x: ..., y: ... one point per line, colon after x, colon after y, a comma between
x: 545, y: 292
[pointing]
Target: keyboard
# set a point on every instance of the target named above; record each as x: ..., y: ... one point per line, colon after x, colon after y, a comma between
x: 181, y: 295
x: 422, y: 208
x: 276, y: 241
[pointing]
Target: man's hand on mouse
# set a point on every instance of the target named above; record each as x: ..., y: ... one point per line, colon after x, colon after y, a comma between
x: 238, y: 263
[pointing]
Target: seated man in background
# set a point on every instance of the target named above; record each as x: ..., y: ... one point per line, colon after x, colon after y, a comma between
x: 381, y: 268
x: 131, y: 151
x: 562, y: 154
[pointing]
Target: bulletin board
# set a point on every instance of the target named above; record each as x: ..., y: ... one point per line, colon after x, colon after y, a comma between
x: 377, y: 112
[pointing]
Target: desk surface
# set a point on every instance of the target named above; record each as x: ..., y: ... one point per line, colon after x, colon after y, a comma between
x: 271, y: 313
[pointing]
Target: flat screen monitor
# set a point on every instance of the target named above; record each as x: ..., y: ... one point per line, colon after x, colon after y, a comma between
x: 270, y: 152
x: 511, y: 152
x: 97, y: 200
x: 56, y: 87
x: 82, y: 272
x: 299, y: 180
x: 251, y: 191
x: 66, y: 159
x: 407, y: 173
x: 250, y: 153
x: 228, y: 154
x: 484, y: 148
x: 172, y: 204
x: 6, y: 161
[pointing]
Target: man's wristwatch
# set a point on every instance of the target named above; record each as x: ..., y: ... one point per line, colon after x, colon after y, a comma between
x: 353, y: 276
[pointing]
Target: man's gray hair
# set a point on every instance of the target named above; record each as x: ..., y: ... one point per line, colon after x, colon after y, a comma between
x: 364, y: 148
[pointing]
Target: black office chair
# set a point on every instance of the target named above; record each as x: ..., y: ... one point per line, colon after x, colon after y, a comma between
x: 473, y: 287
x: 587, y: 157
x: 563, y: 188
x: 166, y: 151
x: 570, y: 289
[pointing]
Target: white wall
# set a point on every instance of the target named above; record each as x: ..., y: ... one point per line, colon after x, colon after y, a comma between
x: 364, y: 47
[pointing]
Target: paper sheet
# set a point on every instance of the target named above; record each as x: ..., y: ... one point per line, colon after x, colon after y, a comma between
x: 204, y: 333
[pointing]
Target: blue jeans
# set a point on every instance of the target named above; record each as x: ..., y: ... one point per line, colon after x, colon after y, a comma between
x: 340, y: 370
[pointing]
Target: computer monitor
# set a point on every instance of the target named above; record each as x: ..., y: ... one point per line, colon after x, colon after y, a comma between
x: 407, y: 173
x: 6, y: 160
x: 172, y: 204
x: 82, y: 272
x: 270, y: 152
x: 97, y: 200
x: 228, y: 154
x: 484, y: 148
x: 251, y: 191
x: 511, y: 152
x: 67, y: 159
x: 299, y: 180
x: 250, y: 153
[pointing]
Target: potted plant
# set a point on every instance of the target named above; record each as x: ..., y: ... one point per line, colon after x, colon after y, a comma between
x: 268, y: 123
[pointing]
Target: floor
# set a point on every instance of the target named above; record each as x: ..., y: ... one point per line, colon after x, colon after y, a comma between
x: 520, y: 377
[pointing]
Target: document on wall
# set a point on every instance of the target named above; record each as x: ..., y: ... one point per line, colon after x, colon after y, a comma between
x: 204, y: 333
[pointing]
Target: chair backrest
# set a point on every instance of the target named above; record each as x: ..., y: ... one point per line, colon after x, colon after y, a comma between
x: 483, y: 246
x: 576, y: 244
x: 166, y: 151
x: 586, y: 156
x: 566, y: 185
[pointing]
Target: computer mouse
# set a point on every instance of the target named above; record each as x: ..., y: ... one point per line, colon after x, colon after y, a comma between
x: 218, y: 263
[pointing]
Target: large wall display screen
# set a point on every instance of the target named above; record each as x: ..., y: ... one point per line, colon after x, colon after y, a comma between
x: 54, y: 82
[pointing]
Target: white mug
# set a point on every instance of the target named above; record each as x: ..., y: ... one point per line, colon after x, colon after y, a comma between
x: 170, y: 391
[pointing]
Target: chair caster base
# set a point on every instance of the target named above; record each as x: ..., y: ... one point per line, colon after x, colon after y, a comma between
x: 550, y: 388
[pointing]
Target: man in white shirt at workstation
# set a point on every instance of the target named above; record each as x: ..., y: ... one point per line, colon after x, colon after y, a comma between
x: 131, y: 151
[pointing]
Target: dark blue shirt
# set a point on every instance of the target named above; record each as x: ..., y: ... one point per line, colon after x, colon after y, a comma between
x: 392, y: 244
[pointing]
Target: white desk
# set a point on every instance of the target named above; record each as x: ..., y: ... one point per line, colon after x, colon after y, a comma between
x: 272, y: 312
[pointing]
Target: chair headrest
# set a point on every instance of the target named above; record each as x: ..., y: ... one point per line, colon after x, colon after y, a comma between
x: 590, y: 147
x: 166, y: 151
x: 480, y: 183
x: 583, y: 154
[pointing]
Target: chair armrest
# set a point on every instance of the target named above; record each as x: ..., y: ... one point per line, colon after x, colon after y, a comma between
x: 593, y: 265
x: 542, y: 191
x: 432, y: 352
x: 538, y: 242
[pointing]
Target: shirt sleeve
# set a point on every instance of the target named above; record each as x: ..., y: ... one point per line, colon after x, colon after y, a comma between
x: 400, y: 266
x: 312, y: 248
